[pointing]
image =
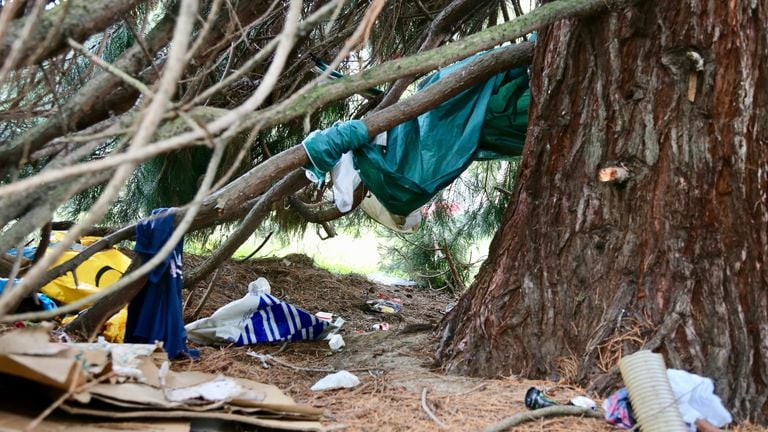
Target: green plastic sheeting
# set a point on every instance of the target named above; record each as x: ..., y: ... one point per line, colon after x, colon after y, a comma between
x: 325, y: 147
x: 506, y: 119
x: 424, y: 155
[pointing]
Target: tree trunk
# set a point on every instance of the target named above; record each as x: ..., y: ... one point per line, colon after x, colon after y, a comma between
x: 581, y: 271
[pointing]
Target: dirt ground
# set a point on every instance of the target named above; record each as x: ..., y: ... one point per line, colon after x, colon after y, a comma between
x: 395, y: 366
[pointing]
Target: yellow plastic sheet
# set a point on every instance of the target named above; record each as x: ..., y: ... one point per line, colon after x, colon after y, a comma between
x: 97, y: 272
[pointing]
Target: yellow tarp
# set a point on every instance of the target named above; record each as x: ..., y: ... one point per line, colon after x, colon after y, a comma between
x: 97, y: 272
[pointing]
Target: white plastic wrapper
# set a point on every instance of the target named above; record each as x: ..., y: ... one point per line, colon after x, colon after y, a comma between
x: 340, y: 379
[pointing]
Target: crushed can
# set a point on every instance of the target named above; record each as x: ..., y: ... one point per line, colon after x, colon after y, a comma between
x: 535, y: 399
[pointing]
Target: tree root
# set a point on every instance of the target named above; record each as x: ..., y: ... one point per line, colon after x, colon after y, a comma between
x: 553, y: 411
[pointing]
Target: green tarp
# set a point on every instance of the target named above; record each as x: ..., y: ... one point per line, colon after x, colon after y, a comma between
x: 424, y: 155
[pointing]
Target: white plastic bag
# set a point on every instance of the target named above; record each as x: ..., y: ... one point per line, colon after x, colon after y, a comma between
x: 340, y: 379
x: 259, y: 286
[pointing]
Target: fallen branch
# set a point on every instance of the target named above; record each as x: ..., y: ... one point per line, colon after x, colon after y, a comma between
x: 207, y: 294
x: 429, y: 412
x: 289, y: 184
x: 553, y: 411
x: 312, y: 214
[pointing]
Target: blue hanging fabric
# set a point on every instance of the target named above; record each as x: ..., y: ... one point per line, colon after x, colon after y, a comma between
x: 155, y: 313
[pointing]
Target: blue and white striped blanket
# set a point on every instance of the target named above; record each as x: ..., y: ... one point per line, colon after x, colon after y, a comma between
x: 277, y: 321
x: 256, y: 318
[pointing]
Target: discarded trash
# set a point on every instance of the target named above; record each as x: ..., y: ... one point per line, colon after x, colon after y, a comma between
x: 653, y: 401
x: 381, y: 326
x: 43, y: 301
x: 385, y: 304
x: 259, y: 286
x: 449, y: 307
x: 257, y: 318
x: 159, y: 393
x: 584, y: 402
x: 340, y: 379
x: 618, y: 410
x: 324, y: 316
x: 220, y: 388
x: 336, y: 342
x: 96, y: 273
x: 535, y: 399
x: 696, y: 399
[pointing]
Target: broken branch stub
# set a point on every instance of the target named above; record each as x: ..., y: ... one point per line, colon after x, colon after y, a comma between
x: 613, y: 174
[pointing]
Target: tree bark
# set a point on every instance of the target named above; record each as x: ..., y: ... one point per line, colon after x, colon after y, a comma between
x: 673, y: 259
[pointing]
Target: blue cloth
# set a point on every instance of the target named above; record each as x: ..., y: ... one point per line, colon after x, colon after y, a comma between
x: 155, y: 313
x: 276, y: 321
x: 45, y: 302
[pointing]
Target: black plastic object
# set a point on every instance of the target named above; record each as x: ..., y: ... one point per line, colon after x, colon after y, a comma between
x: 535, y: 399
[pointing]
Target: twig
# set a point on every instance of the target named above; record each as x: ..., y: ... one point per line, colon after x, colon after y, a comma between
x: 267, y: 358
x: 553, y: 411
x: 429, y: 412
x: 188, y: 299
x: 472, y: 390
x: 506, y: 192
x: 266, y: 239
x: 138, y: 85
x: 282, y: 348
x: 207, y: 294
x: 57, y: 403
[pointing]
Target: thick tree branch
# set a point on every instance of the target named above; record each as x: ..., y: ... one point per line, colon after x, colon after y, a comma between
x: 83, y: 18
x: 290, y: 184
x: 552, y: 411
x: 328, y: 214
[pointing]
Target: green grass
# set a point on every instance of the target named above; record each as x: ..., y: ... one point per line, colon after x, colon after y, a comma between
x: 342, y: 254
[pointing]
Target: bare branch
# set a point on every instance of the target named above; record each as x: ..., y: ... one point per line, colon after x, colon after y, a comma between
x: 138, y: 85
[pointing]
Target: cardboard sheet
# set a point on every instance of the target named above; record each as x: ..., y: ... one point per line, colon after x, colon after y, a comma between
x: 15, y: 422
x: 152, y: 398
